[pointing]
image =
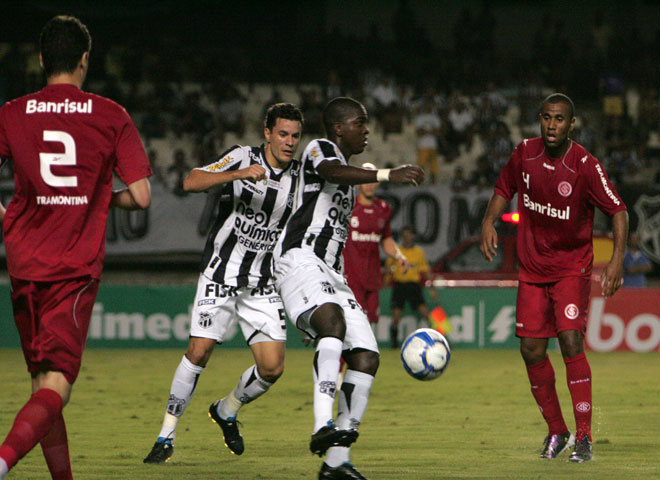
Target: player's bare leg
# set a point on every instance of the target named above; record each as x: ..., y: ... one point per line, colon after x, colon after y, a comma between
x: 578, y: 378
x: 255, y: 381
x: 542, y: 380
x: 181, y: 393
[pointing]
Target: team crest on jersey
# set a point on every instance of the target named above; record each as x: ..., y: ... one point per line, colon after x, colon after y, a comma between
x: 648, y: 212
x: 355, y: 222
x: 565, y: 189
x: 571, y: 311
x: 327, y: 287
x: 205, y: 319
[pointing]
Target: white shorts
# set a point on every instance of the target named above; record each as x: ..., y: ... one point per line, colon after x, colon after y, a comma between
x: 306, y: 282
x: 259, y: 311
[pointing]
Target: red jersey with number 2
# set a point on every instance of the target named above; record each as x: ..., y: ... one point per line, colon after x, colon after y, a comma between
x: 556, y: 200
x: 370, y: 224
x: 65, y: 144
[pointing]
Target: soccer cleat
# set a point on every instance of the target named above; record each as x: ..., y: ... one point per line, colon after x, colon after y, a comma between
x: 331, y: 436
x: 233, y: 438
x: 553, y: 445
x: 583, y: 450
x: 345, y: 471
x: 161, y: 452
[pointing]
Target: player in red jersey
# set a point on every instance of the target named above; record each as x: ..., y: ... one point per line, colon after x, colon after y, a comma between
x: 558, y: 185
x: 65, y: 145
x: 370, y: 227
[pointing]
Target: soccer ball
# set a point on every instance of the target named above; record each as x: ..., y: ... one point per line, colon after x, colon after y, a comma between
x: 425, y: 354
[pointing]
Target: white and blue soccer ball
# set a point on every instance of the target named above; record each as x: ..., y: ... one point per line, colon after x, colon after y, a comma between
x: 425, y: 354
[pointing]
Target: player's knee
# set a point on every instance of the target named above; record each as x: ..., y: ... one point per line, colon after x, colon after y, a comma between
x: 199, y: 353
x: 328, y: 321
x: 271, y: 373
x: 570, y: 343
x: 364, y: 361
x: 532, y: 353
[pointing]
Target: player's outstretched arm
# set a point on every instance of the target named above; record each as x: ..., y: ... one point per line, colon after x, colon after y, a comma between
x: 612, y: 276
x: 495, y: 208
x: 199, y: 180
x: 137, y: 196
x: 392, y: 250
x: 335, y: 172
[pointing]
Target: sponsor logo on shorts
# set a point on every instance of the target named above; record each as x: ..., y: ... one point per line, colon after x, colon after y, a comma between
x: 564, y: 189
x: 329, y: 388
x: 275, y: 300
x: 206, y: 301
x: 262, y: 291
x: 327, y: 288
x: 571, y: 311
x: 583, y: 407
x: 205, y: 320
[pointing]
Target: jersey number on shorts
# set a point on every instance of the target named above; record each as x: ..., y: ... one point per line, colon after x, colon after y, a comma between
x: 66, y: 158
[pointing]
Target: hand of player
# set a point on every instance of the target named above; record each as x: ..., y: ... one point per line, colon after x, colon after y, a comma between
x: 488, y: 241
x: 253, y: 172
x: 411, y: 174
x: 611, y: 278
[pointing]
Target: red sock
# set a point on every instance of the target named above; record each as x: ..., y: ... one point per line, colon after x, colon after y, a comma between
x: 542, y: 378
x: 578, y: 377
x: 31, y: 424
x: 56, y: 450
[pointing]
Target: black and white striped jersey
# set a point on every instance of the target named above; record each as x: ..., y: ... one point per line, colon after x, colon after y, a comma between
x: 321, y: 220
x: 251, y: 217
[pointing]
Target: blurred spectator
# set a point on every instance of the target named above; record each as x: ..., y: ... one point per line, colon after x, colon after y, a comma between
x: 498, y: 148
x: 635, y: 264
x: 585, y: 135
x: 386, y: 102
x: 428, y: 129
x: 177, y: 172
x: 230, y: 111
x: 333, y: 88
x: 155, y: 165
x: 311, y: 107
x: 484, y: 176
x: 622, y: 165
x: 458, y: 182
x: 196, y: 119
x: 460, y: 123
x: 153, y: 124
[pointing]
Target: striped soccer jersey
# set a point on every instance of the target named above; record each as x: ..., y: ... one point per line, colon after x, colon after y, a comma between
x: 321, y: 221
x: 251, y: 217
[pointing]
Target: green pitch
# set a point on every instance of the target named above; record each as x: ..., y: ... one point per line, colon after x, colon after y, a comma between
x: 478, y: 421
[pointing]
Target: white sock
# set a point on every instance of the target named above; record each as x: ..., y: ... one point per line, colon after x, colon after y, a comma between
x: 353, y: 400
x: 250, y: 386
x: 3, y: 469
x: 181, y: 392
x: 326, y: 370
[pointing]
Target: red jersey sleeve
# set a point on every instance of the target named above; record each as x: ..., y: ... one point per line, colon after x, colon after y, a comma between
x: 132, y: 161
x: 507, y: 185
x: 601, y: 192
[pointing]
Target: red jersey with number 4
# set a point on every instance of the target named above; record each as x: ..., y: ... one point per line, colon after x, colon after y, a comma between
x: 556, y: 199
x: 65, y: 144
x: 370, y: 224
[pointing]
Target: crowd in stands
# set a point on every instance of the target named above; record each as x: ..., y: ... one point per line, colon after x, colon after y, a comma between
x: 459, y: 110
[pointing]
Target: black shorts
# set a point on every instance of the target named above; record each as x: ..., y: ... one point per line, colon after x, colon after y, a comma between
x: 410, y: 292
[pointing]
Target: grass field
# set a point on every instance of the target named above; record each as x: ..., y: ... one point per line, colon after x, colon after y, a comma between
x: 478, y: 421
